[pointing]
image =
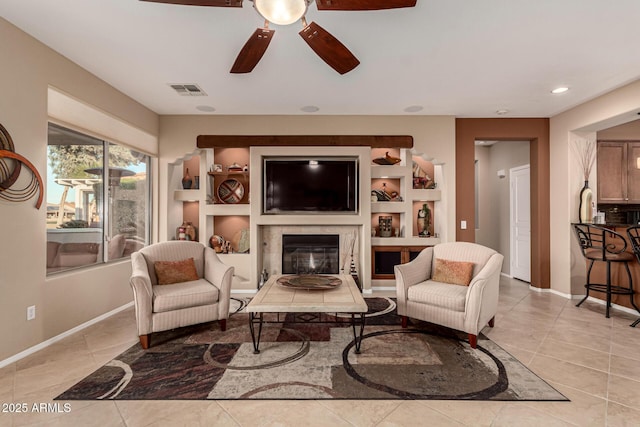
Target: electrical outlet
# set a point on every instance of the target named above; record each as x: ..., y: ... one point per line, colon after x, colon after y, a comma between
x: 463, y: 225
x: 31, y: 312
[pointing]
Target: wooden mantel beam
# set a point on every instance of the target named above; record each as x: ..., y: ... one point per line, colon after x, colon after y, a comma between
x: 238, y: 141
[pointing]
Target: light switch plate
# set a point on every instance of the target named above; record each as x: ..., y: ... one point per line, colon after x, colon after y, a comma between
x: 463, y: 225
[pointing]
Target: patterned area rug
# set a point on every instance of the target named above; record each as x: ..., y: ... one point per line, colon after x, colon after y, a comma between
x: 303, y: 360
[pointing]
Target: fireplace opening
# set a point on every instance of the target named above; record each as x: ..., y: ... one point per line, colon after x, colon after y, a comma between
x: 310, y: 253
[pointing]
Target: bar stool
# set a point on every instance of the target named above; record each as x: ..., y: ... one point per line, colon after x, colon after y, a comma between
x: 634, y: 238
x: 604, y: 245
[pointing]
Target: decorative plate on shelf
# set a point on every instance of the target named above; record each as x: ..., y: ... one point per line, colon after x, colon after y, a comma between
x: 230, y: 191
x: 386, y: 160
x: 310, y: 282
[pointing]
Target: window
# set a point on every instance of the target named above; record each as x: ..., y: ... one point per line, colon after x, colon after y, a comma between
x: 92, y: 216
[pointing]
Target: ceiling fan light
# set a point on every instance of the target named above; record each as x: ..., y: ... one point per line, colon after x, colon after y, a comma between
x: 281, y: 12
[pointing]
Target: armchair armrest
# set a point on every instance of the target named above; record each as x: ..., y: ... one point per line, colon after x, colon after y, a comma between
x: 142, y: 293
x: 220, y: 275
x: 482, y: 296
x: 413, y: 272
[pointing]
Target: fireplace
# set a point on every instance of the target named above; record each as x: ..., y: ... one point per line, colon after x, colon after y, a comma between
x: 310, y: 253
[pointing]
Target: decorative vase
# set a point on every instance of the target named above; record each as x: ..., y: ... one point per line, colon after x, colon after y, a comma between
x: 187, y: 231
x: 585, y: 207
x: 181, y: 232
x: 384, y: 224
x: 190, y: 231
x: 424, y: 221
x: 197, y: 182
x: 186, y: 180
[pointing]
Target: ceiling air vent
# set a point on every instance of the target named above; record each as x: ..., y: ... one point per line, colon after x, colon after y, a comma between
x: 188, y: 89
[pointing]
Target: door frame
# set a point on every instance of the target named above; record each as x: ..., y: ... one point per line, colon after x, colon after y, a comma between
x: 534, y: 130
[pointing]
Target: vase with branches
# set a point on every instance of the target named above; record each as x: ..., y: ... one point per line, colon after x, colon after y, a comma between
x: 586, y: 155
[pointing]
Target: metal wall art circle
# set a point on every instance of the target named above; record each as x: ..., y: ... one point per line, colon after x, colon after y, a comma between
x: 11, y: 164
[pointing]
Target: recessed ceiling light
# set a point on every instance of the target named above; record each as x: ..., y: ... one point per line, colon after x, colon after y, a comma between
x: 561, y: 89
x: 310, y: 108
x: 205, y: 108
x: 502, y: 112
x: 414, y: 108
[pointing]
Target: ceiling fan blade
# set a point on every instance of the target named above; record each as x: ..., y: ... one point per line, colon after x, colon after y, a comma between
x: 363, y: 4
x: 329, y: 48
x: 252, y: 51
x: 216, y: 3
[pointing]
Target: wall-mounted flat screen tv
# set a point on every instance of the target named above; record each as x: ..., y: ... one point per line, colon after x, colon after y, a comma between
x: 310, y: 185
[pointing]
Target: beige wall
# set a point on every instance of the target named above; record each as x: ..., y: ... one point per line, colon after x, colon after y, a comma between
x: 627, y: 131
x: 433, y: 135
x: 494, y: 203
x: 487, y: 225
x: 617, y: 107
x: 68, y: 300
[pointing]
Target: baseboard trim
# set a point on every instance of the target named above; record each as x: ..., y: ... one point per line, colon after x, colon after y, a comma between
x: 590, y: 299
x: 550, y: 291
x: 615, y: 306
x: 59, y: 337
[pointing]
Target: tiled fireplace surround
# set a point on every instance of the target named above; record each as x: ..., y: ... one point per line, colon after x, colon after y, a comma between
x: 272, y: 243
x: 267, y: 230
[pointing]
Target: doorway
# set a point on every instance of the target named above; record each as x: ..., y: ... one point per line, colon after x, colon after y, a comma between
x: 496, y: 161
x: 534, y: 130
x: 520, y: 222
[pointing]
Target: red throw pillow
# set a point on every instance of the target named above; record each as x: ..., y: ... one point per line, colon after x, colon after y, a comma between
x: 454, y: 272
x: 169, y: 272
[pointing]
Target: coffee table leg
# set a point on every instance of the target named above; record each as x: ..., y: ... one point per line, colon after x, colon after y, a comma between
x: 253, y: 319
x: 357, y: 338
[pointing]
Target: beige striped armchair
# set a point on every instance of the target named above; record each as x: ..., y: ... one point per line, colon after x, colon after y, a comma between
x: 168, y: 306
x: 425, y: 290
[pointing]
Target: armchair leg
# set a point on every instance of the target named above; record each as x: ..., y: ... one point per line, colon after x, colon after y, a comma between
x: 492, y: 322
x: 473, y: 340
x: 144, y: 341
x: 404, y: 321
x: 223, y: 324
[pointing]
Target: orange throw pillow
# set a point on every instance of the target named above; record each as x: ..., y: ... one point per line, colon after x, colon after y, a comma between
x: 454, y: 272
x: 169, y: 272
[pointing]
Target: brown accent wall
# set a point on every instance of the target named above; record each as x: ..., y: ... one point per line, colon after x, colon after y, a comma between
x: 537, y: 132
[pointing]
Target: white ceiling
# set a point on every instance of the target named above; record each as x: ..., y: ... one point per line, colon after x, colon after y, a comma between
x: 467, y: 58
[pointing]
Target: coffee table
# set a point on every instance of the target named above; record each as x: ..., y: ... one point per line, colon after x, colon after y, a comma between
x: 276, y: 298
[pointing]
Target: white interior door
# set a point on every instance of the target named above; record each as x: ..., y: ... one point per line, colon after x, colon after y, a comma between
x: 520, y: 223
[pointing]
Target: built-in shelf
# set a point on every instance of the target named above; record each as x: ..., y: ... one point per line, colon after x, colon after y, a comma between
x: 222, y: 209
x: 393, y: 171
x: 213, y: 217
x: 187, y: 195
x: 426, y: 195
x: 227, y: 173
x: 404, y: 241
x: 389, y: 207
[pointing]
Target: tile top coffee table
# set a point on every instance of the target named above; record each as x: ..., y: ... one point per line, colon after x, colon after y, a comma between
x: 285, y: 297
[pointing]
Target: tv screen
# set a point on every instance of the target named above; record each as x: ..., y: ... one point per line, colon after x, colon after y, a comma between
x: 309, y: 185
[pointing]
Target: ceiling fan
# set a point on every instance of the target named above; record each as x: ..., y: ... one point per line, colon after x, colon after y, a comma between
x: 285, y: 12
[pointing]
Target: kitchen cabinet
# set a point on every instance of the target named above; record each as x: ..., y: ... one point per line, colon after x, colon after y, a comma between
x: 619, y: 172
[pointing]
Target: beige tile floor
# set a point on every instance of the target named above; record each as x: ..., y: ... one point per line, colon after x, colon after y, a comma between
x: 592, y: 360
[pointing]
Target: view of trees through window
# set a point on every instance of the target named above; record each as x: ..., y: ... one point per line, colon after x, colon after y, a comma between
x: 81, y: 221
